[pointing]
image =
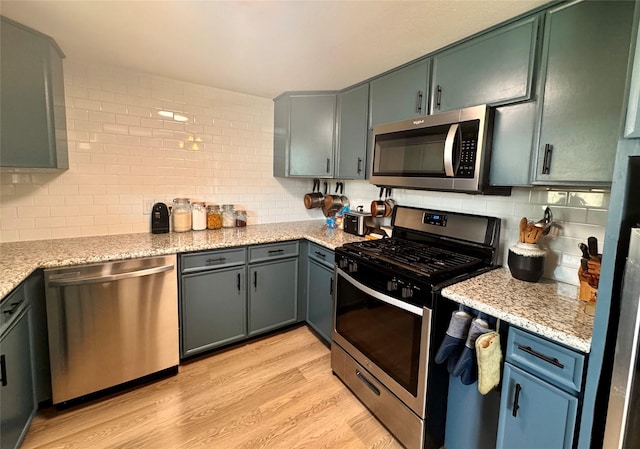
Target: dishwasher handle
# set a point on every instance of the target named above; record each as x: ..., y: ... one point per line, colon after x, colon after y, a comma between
x: 110, y: 277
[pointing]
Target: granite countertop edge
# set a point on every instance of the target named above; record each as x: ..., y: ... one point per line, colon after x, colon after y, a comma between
x: 548, y: 308
x: 495, y: 293
x: 20, y: 259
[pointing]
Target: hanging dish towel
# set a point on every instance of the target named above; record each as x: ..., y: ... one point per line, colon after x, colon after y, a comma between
x: 489, y: 355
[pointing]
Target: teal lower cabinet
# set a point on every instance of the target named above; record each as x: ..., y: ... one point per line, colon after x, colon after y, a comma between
x: 534, y: 413
x: 320, y: 283
x: 214, y: 309
x: 213, y: 300
x: 540, y: 393
x: 231, y: 294
x: 273, y: 295
x: 17, y: 393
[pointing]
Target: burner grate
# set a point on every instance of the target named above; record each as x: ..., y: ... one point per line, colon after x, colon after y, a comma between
x: 414, y: 256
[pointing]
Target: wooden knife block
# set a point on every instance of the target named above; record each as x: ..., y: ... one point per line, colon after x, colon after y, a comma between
x: 589, y: 280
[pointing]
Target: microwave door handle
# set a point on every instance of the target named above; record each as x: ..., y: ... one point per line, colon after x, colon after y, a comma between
x: 449, y: 145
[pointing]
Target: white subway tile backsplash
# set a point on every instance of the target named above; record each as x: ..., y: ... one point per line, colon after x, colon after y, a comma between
x: 123, y: 153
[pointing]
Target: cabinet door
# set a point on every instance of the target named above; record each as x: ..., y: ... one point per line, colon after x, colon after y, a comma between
x: 494, y: 68
x: 17, y: 400
x: 534, y: 414
x: 30, y: 92
x: 311, y: 135
x: 214, y: 309
x: 400, y: 95
x: 320, y: 299
x: 513, y: 135
x: 273, y: 295
x: 584, y: 64
x: 353, y: 132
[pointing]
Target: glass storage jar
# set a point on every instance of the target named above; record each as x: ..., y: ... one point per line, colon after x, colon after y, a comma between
x: 228, y: 216
x: 214, y: 217
x: 181, y: 215
x: 198, y: 216
x: 241, y: 218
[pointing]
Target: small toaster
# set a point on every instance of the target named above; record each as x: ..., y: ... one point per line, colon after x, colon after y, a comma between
x: 354, y: 222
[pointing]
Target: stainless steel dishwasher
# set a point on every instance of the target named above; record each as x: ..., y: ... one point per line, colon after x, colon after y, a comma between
x: 110, y: 323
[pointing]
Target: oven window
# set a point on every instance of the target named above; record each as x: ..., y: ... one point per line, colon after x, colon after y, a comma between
x: 386, y: 335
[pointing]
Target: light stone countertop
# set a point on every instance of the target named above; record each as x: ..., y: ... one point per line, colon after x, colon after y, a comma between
x: 20, y: 259
x: 548, y: 308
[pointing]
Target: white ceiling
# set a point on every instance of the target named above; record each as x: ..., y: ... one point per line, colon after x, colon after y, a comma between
x: 260, y: 47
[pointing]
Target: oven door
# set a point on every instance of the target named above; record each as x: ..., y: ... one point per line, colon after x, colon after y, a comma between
x: 389, y: 337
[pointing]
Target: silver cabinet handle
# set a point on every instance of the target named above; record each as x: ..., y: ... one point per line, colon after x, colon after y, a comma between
x: 359, y: 165
x: 215, y: 261
x: 449, y: 144
x: 110, y: 277
x: 328, y: 165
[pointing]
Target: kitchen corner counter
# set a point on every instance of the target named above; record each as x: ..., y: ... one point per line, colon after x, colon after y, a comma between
x: 548, y: 308
x: 20, y: 259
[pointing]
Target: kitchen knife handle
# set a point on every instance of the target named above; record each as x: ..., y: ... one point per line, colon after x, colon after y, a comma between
x: 592, y: 244
x: 516, y: 400
x: 438, y: 96
x: 419, y: 102
x: 546, y: 163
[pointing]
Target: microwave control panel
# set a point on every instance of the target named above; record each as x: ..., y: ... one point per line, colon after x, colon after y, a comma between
x: 467, y: 161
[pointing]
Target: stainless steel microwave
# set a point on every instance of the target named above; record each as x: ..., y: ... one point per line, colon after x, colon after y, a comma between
x: 447, y: 152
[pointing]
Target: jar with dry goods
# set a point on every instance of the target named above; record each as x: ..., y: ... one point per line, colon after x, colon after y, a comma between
x: 228, y: 216
x: 241, y: 218
x: 214, y: 217
x: 181, y: 215
x: 198, y: 216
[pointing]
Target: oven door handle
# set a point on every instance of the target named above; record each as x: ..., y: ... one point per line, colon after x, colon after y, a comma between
x: 384, y: 298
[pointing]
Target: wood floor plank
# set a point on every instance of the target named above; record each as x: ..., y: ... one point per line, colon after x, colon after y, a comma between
x: 275, y: 392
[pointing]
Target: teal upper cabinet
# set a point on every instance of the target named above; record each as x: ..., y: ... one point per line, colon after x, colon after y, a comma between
x: 584, y: 65
x: 304, y: 137
x: 494, y: 68
x: 352, y: 133
x: 33, y: 125
x: 632, y: 122
x: 401, y: 94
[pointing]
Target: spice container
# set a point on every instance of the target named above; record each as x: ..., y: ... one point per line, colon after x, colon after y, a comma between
x: 241, y: 218
x: 214, y: 217
x: 228, y: 216
x: 181, y: 215
x: 198, y: 216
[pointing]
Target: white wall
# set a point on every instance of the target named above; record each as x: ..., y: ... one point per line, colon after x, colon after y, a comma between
x: 122, y: 154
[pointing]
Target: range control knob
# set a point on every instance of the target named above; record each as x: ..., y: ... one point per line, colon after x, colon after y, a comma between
x: 353, y: 267
x: 343, y: 263
x: 407, y: 292
x: 392, y: 285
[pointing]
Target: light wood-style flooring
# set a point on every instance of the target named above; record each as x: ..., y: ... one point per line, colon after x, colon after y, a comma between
x: 277, y: 392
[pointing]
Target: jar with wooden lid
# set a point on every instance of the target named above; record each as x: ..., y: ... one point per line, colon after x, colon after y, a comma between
x: 214, y: 217
x: 181, y: 215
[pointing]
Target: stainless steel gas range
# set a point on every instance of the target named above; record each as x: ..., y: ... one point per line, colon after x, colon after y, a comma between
x: 388, y: 320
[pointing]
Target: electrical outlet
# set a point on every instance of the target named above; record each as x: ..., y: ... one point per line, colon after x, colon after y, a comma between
x: 147, y: 205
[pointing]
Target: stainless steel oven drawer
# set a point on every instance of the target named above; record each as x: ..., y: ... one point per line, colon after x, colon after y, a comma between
x: 397, y: 417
